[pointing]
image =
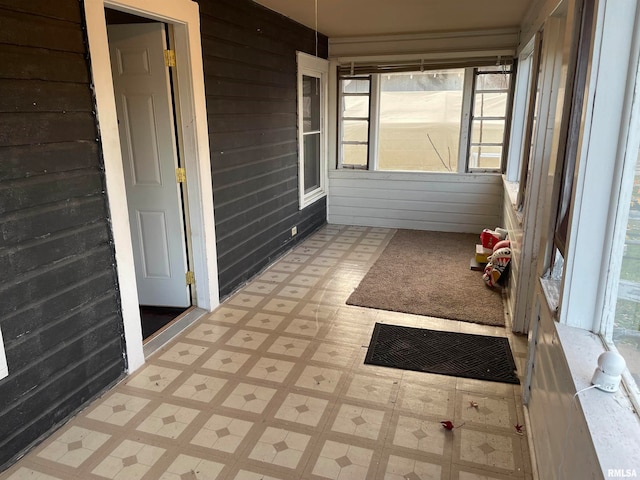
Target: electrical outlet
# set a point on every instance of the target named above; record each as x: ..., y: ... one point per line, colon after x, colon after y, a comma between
x: 294, y: 231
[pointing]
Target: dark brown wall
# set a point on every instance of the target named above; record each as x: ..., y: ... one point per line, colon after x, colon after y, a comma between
x: 250, y: 82
x: 59, y: 312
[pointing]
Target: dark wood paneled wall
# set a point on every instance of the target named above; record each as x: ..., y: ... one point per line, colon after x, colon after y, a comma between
x: 250, y: 81
x: 59, y: 312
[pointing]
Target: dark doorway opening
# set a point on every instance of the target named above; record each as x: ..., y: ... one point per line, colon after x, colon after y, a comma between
x: 155, y: 319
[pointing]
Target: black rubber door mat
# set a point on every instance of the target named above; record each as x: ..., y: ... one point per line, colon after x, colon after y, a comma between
x: 445, y: 353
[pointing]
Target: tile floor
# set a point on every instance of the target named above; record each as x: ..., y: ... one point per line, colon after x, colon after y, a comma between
x: 272, y: 385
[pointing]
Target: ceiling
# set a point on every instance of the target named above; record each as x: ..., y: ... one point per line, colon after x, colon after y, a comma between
x: 346, y: 18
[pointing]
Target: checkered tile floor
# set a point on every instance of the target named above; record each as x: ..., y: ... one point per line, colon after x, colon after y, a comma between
x: 272, y: 385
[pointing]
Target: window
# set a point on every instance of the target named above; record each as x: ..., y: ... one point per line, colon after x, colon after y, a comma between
x: 624, y: 333
x: 312, y: 118
x: 354, y: 122
x: 533, y: 103
x: 424, y: 120
x: 489, y: 117
x: 419, y: 120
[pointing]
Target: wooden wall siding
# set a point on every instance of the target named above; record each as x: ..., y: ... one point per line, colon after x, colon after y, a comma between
x: 419, y: 201
x: 250, y: 82
x: 59, y: 311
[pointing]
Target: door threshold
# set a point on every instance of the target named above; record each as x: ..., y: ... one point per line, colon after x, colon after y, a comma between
x: 169, y: 331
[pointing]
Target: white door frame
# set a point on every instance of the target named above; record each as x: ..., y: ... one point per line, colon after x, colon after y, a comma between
x: 185, y: 17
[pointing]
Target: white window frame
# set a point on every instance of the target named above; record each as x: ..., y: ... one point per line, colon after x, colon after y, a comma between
x: 4, y: 369
x: 311, y: 66
x: 468, y: 93
x: 519, y: 115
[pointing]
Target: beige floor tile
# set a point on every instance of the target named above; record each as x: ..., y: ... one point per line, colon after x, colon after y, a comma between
x: 341, y: 355
x: 168, y: 420
x: 324, y: 262
x: 260, y: 288
x: 401, y: 468
x: 319, y: 379
x: 250, y: 398
x: 280, y: 447
x: 274, y: 276
x: 271, y: 370
x: 306, y: 328
x: 207, y: 332
x: 378, y: 390
x: 222, y: 433
x: 246, y: 300
x: 183, y: 353
x: 420, y: 399
x: 307, y: 281
x: 341, y: 461
x: 24, y: 473
x: 266, y: 321
x: 129, y: 461
x: 280, y: 305
x: 359, y: 421
x: 292, y: 291
x: 285, y: 266
x: 201, y: 388
x: 74, y: 446
x: 249, y: 339
x: 490, y: 411
x: 315, y: 270
x: 247, y: 475
x: 488, y: 449
x: 290, y: 346
x: 226, y: 361
x: 420, y: 435
x: 188, y: 467
x: 227, y: 314
x: 117, y: 409
x: 318, y: 310
x: 154, y: 378
x: 302, y: 409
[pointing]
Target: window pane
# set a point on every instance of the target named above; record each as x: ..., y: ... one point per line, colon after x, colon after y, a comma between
x: 487, y: 131
x: 485, y: 157
x: 355, y: 131
x: 355, y: 155
x: 493, y: 81
x: 310, y: 103
x: 420, y: 120
x: 626, y: 328
x: 311, y: 162
x: 490, y: 104
x: 355, y: 106
x: 353, y: 85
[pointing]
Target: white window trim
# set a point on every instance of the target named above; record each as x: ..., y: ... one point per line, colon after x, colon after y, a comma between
x: 468, y: 91
x: 319, y: 68
x: 519, y: 113
x: 4, y: 369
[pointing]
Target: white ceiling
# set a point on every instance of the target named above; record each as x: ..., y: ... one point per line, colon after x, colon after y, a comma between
x: 345, y: 18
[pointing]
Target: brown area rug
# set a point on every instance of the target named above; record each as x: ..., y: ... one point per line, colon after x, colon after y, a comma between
x: 427, y: 273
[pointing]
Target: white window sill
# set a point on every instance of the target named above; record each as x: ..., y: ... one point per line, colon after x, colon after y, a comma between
x: 613, y: 423
x: 311, y: 198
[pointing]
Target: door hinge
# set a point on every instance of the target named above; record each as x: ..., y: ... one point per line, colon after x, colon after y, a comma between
x: 170, y: 58
x: 190, y: 278
x: 181, y: 175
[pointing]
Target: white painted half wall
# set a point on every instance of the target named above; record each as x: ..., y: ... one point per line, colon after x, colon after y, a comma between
x: 445, y: 202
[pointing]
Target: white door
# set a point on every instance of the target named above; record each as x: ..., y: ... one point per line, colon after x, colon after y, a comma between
x: 145, y: 116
